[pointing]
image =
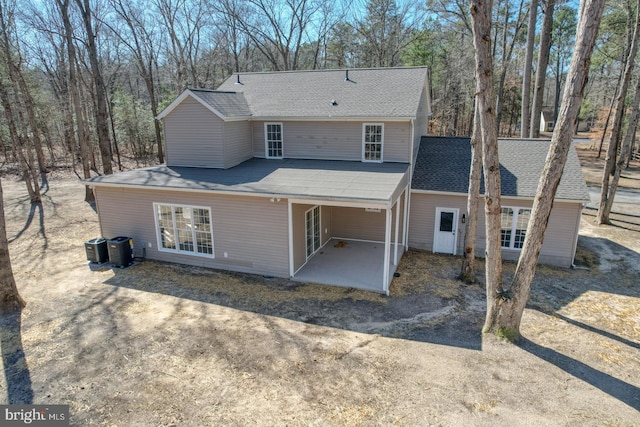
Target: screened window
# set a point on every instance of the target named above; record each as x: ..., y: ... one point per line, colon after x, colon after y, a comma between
x: 273, y: 140
x: 373, y: 137
x: 184, y: 229
x: 514, y: 223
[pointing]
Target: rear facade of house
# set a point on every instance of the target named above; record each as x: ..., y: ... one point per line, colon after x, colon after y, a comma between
x: 301, y: 175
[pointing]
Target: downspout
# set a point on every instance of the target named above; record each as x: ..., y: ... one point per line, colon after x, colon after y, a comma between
x: 408, y: 191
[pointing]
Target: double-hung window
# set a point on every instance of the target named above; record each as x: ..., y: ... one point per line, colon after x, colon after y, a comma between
x: 514, y: 223
x: 372, y: 142
x: 184, y: 229
x: 273, y: 140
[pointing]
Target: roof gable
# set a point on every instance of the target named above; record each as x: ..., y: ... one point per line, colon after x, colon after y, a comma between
x: 320, y: 94
x: 443, y: 165
x: 225, y: 105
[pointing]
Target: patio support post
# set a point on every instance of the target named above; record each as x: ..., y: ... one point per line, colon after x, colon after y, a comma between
x: 387, y: 250
x: 405, y: 217
x: 395, y: 250
x: 290, y: 209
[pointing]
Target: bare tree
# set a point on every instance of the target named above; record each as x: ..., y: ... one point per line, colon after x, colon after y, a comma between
x: 102, y: 118
x: 507, y: 47
x: 606, y: 193
x: 468, y: 271
x: 541, y: 67
x: 10, y: 299
x: 509, y: 307
x: 625, y: 150
x: 481, y: 20
x: 139, y: 38
x: 526, y: 81
x: 278, y: 30
x: 15, y: 124
x: 74, y: 89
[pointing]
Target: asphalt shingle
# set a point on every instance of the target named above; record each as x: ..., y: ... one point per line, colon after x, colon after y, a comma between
x: 229, y: 104
x: 369, y: 93
x: 328, y: 179
x: 443, y: 165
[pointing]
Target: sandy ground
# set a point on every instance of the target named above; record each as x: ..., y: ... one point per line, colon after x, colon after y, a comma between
x: 162, y: 344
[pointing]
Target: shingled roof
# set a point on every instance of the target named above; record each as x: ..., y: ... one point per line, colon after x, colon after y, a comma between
x: 443, y: 166
x: 226, y: 105
x: 356, y: 93
x: 324, y: 179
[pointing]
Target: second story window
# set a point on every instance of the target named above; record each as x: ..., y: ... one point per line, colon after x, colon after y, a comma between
x: 372, y: 140
x: 273, y: 140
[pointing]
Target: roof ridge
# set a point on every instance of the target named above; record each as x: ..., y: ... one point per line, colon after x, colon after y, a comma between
x: 413, y: 67
x: 210, y: 90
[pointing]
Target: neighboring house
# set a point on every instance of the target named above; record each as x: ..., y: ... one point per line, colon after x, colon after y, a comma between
x: 547, y: 123
x: 305, y: 175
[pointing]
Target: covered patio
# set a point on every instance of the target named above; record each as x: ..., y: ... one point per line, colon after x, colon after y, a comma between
x: 353, y: 263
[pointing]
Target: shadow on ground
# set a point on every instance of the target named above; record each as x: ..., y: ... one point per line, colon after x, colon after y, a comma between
x: 453, y: 318
x: 447, y: 313
x: 16, y: 369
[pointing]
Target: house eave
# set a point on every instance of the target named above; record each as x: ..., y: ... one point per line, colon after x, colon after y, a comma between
x: 298, y: 198
x: 527, y: 198
x: 331, y: 119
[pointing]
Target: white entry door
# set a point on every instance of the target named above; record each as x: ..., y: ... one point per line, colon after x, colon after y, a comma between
x: 445, y: 236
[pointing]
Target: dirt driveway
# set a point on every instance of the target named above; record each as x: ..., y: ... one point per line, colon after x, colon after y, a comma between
x: 161, y: 344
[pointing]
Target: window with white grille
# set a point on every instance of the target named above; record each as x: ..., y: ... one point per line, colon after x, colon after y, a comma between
x: 273, y: 140
x: 184, y: 229
x: 372, y: 142
x: 514, y: 223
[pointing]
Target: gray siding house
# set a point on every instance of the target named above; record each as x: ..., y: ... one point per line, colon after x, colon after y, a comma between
x: 317, y: 176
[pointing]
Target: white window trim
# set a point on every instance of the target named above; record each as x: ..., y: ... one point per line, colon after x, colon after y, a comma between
x: 266, y: 140
x: 177, y: 250
x: 315, y: 250
x: 514, y: 226
x: 364, y: 128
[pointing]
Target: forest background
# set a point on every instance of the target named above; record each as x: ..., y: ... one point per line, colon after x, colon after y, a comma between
x: 81, y: 81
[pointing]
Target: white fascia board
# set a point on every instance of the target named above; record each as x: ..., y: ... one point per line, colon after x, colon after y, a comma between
x: 185, y: 190
x: 320, y: 200
x: 330, y: 119
x: 324, y: 201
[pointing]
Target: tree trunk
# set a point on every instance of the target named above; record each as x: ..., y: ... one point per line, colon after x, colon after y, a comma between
x: 507, y: 321
x: 102, y: 123
x: 541, y: 70
x: 481, y: 19
x: 13, y: 124
x: 468, y: 271
x: 63, y: 6
x: 625, y: 151
x: 616, y: 126
x: 526, y: 82
x: 606, y: 122
x: 10, y: 299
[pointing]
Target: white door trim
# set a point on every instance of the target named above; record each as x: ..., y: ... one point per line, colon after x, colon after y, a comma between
x: 436, y: 228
